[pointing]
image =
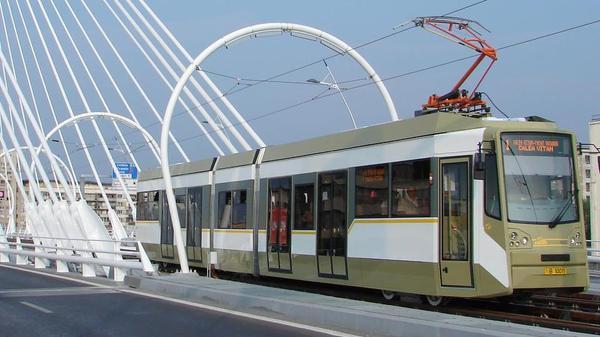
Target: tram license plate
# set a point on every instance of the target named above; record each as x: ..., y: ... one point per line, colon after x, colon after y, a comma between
x: 555, y: 270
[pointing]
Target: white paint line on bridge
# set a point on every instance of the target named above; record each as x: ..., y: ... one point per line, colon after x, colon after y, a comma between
x: 36, y: 307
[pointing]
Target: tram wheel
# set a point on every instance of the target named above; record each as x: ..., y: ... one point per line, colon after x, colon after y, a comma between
x: 435, y: 301
x: 388, y: 295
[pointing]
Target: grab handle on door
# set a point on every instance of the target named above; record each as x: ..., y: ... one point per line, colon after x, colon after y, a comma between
x: 445, y: 270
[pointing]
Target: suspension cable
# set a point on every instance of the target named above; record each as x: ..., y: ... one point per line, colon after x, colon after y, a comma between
x: 131, y: 76
x: 216, y: 128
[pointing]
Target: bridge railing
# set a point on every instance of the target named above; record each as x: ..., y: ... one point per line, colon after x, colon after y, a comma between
x: 593, y: 252
x: 90, y: 257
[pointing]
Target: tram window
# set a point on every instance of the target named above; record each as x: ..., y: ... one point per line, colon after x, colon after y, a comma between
x: 142, y: 206
x: 372, y: 191
x: 411, y: 188
x: 492, y: 196
x: 180, y: 196
x: 232, y: 209
x: 455, y: 211
x: 239, y: 209
x: 304, y: 207
x: 152, y: 212
x: 279, y: 209
x: 194, y: 211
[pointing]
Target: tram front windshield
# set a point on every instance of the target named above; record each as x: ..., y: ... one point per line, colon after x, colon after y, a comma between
x: 538, y: 169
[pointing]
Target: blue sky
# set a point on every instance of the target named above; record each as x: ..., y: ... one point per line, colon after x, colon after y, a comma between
x: 557, y: 78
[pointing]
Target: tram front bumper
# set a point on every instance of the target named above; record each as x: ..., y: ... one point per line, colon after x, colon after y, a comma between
x: 531, y: 271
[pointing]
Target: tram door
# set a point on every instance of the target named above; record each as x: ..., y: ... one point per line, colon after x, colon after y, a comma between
x: 332, y: 226
x: 279, y: 237
x: 455, y: 223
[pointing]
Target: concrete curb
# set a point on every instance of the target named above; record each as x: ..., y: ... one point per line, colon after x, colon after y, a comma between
x: 368, y: 319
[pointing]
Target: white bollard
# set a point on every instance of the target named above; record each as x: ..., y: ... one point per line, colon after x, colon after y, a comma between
x: 21, y: 260
x: 4, y: 256
x: 88, y: 270
x: 61, y: 266
x: 38, y: 262
x: 118, y: 274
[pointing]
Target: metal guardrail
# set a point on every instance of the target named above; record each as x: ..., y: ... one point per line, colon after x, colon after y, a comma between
x: 118, y: 256
x: 593, y: 252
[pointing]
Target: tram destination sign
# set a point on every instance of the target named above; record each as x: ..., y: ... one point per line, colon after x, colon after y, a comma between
x: 535, y: 145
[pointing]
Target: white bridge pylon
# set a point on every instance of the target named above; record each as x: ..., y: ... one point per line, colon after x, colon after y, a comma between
x: 252, y: 31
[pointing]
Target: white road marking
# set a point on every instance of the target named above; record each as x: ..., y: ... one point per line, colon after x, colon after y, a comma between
x: 55, y: 276
x: 36, y: 307
x: 198, y: 305
x: 244, y: 314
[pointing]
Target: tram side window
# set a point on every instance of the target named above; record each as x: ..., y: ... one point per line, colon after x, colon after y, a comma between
x: 372, y: 191
x: 194, y: 211
x: 142, y: 206
x: 411, y: 188
x: 232, y: 209
x: 304, y: 205
x: 153, y: 205
x: 147, y: 206
x: 492, y: 196
x: 180, y: 202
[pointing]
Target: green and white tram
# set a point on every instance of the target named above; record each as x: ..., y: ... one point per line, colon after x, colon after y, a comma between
x: 439, y: 205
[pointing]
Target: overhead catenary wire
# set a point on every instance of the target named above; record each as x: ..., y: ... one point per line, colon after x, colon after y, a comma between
x: 111, y: 79
x: 165, y: 80
x: 93, y: 81
x: 208, y: 81
x: 215, y: 127
x: 132, y: 77
x: 270, y: 79
x: 223, y: 119
x: 405, y: 74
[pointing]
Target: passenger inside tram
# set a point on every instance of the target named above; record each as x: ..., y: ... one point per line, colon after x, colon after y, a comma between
x: 412, y: 203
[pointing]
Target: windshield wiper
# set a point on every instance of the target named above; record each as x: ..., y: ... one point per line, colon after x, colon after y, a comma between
x: 524, y: 182
x: 563, y: 211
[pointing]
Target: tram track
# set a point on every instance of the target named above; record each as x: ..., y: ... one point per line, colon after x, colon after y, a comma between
x: 577, y: 312
x: 533, y: 311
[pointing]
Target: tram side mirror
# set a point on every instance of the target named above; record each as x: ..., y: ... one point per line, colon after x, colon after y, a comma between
x: 479, y: 166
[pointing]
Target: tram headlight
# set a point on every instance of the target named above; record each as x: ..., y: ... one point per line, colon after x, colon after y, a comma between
x: 524, y: 240
x: 576, y: 239
x: 511, y: 243
x: 513, y: 235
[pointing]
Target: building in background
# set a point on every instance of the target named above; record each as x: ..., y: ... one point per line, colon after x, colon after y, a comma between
x: 591, y: 174
x: 91, y: 192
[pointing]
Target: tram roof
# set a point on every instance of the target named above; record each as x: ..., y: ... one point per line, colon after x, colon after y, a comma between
x: 425, y: 125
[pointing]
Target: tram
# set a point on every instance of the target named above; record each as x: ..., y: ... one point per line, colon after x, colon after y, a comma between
x: 441, y: 205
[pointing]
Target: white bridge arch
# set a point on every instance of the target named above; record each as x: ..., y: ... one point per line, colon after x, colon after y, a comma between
x: 255, y: 30
x: 111, y: 117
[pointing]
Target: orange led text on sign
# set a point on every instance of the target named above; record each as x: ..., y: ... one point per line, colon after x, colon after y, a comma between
x: 529, y: 145
x: 373, y: 175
